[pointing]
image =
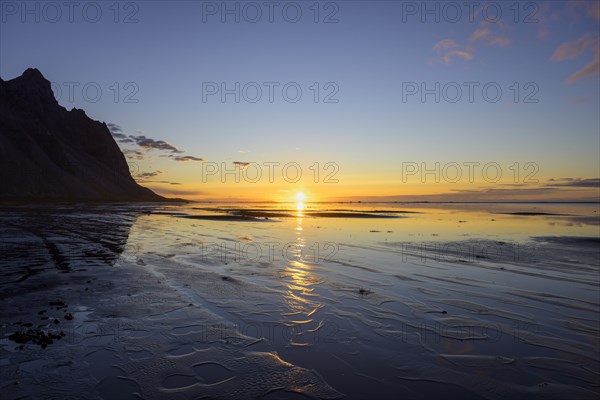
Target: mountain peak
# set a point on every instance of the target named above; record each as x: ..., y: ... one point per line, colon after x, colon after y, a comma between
x: 33, y: 77
x: 50, y: 154
x: 31, y: 86
x: 32, y: 73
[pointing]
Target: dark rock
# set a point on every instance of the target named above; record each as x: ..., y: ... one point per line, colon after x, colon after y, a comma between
x: 58, y: 304
x: 37, y: 336
x: 48, y: 153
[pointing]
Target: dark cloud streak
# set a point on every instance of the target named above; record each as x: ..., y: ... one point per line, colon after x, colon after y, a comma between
x: 574, y: 182
x: 187, y: 158
x: 148, y: 143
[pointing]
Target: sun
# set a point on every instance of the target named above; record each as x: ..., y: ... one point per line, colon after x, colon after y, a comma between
x: 300, y: 202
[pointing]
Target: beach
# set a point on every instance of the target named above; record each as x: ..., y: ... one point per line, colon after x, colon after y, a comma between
x: 292, y: 301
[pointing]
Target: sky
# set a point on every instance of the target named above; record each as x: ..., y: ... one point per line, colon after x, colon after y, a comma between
x: 338, y: 100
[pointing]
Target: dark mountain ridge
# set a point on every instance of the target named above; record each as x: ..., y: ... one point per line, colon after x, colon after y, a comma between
x: 48, y: 153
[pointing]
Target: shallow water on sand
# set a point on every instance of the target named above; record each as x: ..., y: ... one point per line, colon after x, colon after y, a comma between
x: 294, y: 301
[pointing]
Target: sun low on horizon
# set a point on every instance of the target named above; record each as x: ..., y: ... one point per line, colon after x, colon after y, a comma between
x: 300, y: 198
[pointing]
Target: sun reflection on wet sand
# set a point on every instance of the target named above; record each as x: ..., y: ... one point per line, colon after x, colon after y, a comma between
x: 301, y: 302
x: 299, y: 282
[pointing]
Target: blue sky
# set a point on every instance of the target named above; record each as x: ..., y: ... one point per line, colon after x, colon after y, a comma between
x: 169, y: 49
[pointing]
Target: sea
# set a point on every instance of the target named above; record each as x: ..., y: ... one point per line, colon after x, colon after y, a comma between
x: 300, y: 300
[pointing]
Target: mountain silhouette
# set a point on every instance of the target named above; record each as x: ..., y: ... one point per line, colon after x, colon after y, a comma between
x: 48, y: 153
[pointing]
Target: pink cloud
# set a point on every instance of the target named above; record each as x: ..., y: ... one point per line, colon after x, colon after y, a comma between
x: 466, y: 56
x: 579, y: 8
x: 545, y: 15
x: 448, y: 49
x: 479, y: 34
x: 573, y: 50
x: 591, y: 68
x: 486, y: 36
x: 444, y: 44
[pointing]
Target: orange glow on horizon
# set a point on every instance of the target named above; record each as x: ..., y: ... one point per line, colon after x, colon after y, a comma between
x: 360, y: 191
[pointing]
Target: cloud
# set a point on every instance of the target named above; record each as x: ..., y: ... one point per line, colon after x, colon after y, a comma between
x: 488, y: 195
x: 175, y: 192
x: 545, y: 14
x: 148, y: 143
x: 444, y: 44
x: 465, y: 55
x: 573, y: 50
x: 166, y: 182
x: 574, y: 182
x: 148, y: 174
x: 591, y: 68
x: 114, y: 128
x: 479, y: 34
x: 241, y: 164
x: 504, y: 192
x: 447, y: 49
x: 549, y: 13
x: 499, y: 41
x: 117, y: 133
x: 579, y: 9
x: 133, y: 154
x: 485, y: 36
x: 187, y: 158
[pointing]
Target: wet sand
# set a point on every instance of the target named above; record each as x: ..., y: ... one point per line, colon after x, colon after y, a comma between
x: 136, y: 301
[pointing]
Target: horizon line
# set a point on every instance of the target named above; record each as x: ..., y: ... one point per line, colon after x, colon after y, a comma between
x: 399, y: 202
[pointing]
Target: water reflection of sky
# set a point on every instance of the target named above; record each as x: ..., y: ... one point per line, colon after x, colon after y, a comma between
x: 309, y: 293
x: 435, y: 222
